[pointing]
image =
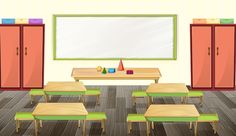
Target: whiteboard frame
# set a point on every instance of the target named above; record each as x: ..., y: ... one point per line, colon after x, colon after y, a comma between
x: 174, y: 16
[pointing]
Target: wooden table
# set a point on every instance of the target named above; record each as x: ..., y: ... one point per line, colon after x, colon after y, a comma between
x: 60, y: 111
x: 64, y: 88
x: 171, y: 113
x: 166, y: 89
x: 139, y: 74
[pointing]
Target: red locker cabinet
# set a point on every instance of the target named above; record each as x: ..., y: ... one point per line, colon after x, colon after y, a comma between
x: 22, y: 56
x: 212, y: 56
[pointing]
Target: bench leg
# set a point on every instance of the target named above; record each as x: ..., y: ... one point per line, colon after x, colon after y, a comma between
x: 129, y: 127
x: 79, y: 123
x: 190, y: 125
x: 103, y: 122
x: 134, y: 101
x: 148, y: 128
x: 195, y: 129
x: 149, y: 100
x: 97, y: 101
x: 84, y: 128
x: 32, y: 99
x: 36, y: 127
x: 215, y: 125
x: 17, y: 125
x: 152, y: 125
x: 41, y: 123
x: 201, y: 100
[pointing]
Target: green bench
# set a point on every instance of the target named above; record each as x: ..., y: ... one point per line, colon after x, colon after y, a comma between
x: 195, y: 94
x: 213, y: 119
x: 36, y: 92
x: 131, y: 118
x: 93, y: 92
x: 20, y: 116
x: 138, y: 94
x: 97, y: 116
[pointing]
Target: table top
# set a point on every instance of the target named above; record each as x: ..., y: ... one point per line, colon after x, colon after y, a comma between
x: 139, y: 73
x: 171, y: 110
x: 60, y: 109
x: 167, y: 88
x: 64, y: 86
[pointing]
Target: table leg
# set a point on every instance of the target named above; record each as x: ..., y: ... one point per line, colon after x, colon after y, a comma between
x: 156, y: 80
x: 195, y: 129
x: 190, y: 125
x: 46, y: 98
x: 148, y: 128
x: 152, y: 125
x: 36, y: 127
x: 84, y: 128
x: 79, y: 123
x: 82, y: 98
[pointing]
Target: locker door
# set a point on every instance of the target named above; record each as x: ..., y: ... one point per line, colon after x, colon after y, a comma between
x: 201, y: 59
x: 10, y: 56
x: 33, y: 40
x: 224, y: 56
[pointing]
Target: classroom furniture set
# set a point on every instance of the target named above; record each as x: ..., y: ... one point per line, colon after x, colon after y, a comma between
x: 155, y: 112
x: 61, y: 111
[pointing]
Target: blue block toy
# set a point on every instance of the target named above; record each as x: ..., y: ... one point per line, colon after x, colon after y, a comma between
x: 111, y: 70
x: 8, y: 21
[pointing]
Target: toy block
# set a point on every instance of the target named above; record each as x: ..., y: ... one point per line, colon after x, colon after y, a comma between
x: 35, y: 21
x: 111, y: 70
x: 8, y: 21
x: 213, y: 21
x: 129, y: 72
x: 226, y: 20
x: 22, y: 21
x: 199, y: 21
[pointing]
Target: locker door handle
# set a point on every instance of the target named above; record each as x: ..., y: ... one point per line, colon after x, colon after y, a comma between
x: 17, y: 51
x: 209, y: 51
x: 25, y: 51
x: 217, y: 51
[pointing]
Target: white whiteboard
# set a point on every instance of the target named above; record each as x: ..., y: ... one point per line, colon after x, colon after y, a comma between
x: 102, y: 37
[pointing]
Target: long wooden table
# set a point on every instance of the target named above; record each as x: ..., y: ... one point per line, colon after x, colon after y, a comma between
x: 60, y: 111
x: 166, y: 89
x: 171, y: 113
x: 64, y: 88
x: 139, y: 74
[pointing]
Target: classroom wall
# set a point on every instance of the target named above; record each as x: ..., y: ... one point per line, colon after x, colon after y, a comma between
x: 172, y: 71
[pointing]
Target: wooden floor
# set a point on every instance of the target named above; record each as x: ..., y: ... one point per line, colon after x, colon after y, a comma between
x: 116, y: 102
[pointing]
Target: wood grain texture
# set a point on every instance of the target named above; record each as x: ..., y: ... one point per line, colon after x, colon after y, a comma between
x: 139, y: 74
x: 171, y: 110
x: 60, y: 109
x: 64, y: 87
x: 116, y: 102
x: 167, y: 88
